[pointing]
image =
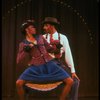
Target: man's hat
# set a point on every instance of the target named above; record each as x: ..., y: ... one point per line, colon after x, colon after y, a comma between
x: 51, y: 20
x: 26, y: 24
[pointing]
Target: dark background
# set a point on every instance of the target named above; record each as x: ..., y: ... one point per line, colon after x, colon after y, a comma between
x: 79, y: 19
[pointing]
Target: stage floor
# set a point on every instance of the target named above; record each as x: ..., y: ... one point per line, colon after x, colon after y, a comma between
x: 52, y: 98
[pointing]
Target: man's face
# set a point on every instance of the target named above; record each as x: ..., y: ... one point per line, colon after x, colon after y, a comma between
x: 47, y: 28
x: 31, y: 29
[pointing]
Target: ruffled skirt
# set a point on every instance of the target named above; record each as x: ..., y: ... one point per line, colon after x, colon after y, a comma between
x: 45, y: 73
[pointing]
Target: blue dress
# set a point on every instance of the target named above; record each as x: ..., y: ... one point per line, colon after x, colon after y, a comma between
x: 47, y: 72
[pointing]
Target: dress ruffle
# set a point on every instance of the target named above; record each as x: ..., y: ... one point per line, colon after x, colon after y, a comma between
x: 45, y: 73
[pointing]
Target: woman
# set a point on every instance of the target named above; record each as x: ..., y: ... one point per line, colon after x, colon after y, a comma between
x: 41, y: 68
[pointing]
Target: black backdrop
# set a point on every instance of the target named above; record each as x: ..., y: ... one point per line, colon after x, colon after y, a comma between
x: 79, y: 19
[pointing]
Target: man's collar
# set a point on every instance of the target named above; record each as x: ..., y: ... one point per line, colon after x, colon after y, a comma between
x: 56, y: 33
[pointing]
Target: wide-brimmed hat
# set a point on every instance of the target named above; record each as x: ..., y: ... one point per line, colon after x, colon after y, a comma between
x: 51, y: 20
x: 26, y: 24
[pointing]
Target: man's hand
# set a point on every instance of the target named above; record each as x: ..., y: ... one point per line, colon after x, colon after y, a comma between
x: 75, y: 76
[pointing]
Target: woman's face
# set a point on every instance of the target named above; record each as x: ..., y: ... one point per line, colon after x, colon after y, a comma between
x: 31, y: 30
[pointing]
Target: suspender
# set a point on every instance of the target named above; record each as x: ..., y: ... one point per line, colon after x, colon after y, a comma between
x: 58, y: 36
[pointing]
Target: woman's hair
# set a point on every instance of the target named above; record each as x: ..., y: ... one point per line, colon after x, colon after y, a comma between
x: 26, y: 24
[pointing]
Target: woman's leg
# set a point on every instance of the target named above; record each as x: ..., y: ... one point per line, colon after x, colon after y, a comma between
x: 20, y: 89
x: 68, y: 84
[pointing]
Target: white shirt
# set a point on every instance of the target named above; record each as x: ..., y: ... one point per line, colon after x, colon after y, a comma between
x: 65, y: 48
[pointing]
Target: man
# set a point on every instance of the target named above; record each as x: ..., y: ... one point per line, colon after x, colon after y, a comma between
x: 41, y: 68
x: 50, y: 26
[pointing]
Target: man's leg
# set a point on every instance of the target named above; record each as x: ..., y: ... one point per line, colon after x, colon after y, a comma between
x: 74, y: 90
x: 68, y: 83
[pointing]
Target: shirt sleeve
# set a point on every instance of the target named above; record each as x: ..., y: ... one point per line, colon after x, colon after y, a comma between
x: 68, y: 54
x: 22, y: 56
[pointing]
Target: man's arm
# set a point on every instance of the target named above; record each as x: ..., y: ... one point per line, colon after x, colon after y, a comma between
x: 68, y: 54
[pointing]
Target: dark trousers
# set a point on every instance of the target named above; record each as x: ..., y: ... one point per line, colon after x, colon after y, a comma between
x: 73, y: 95
x: 74, y: 90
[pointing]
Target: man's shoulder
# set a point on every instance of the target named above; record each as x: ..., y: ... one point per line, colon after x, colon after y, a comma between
x: 63, y: 35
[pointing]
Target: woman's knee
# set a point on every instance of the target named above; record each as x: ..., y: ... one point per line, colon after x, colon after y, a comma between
x: 69, y: 81
x: 19, y: 83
